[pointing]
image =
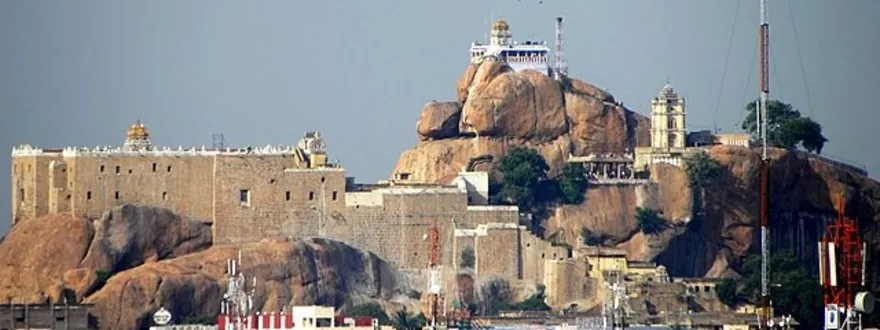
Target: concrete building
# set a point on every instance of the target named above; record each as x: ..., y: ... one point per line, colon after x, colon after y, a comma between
x: 527, y: 55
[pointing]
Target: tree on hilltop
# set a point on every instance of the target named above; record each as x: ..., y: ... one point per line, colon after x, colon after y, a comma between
x: 650, y: 221
x: 572, y: 183
x: 522, y: 169
x: 786, y: 128
x: 793, y: 289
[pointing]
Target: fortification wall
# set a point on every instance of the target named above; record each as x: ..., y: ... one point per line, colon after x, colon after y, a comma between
x: 566, y: 281
x: 396, y: 229
x: 267, y: 196
x: 30, y: 192
x: 180, y: 183
x: 485, y: 214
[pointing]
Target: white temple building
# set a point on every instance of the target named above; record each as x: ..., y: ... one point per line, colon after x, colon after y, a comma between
x: 527, y: 55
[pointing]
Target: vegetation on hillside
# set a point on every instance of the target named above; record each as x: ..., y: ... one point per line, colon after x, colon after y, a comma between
x: 372, y: 310
x: 404, y: 320
x: 650, y: 221
x: 591, y: 238
x: 786, y: 127
x: 702, y: 171
x: 522, y: 170
x: 793, y: 289
x: 525, y: 182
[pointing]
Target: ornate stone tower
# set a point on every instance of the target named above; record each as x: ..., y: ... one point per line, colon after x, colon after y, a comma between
x: 313, y: 145
x: 668, y: 120
x: 137, y: 138
x: 500, y: 34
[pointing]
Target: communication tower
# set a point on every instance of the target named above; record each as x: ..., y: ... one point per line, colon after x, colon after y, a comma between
x: 842, y: 274
x: 238, y: 300
x: 434, y: 297
x: 765, y: 315
x: 219, y: 142
x: 560, y: 69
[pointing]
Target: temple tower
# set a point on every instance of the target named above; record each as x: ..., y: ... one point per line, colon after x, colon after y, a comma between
x: 668, y: 129
x: 500, y: 34
x: 137, y: 138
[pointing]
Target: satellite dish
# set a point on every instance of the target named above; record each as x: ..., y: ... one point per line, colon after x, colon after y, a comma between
x: 162, y: 316
x: 864, y: 302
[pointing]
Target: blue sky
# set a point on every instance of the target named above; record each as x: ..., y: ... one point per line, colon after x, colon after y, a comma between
x: 260, y: 72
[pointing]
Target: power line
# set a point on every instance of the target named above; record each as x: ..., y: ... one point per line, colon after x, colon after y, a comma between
x: 748, y: 84
x: 778, y: 86
x: 800, y: 58
x: 726, y: 63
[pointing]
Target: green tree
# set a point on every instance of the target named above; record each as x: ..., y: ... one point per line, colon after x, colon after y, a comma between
x: 793, y: 289
x: 572, y: 183
x: 726, y: 291
x: 521, y: 170
x: 372, y: 310
x: 702, y: 171
x: 403, y: 320
x: 786, y: 128
x: 650, y: 221
x: 591, y: 238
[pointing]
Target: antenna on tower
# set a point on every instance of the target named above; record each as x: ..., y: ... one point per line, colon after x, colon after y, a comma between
x: 219, y: 142
x: 560, y: 61
x: 761, y: 109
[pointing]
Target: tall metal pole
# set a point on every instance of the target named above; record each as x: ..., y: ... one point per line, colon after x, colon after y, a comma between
x: 764, y: 38
x: 560, y: 60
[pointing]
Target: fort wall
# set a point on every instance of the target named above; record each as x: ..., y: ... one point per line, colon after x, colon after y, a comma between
x: 251, y: 195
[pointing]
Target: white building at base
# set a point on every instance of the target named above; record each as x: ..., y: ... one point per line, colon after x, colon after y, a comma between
x: 527, y: 55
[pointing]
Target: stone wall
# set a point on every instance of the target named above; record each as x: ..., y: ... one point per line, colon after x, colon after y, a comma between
x: 566, y: 281
x: 249, y: 197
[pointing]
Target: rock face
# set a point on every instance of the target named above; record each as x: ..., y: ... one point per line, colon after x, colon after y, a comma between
x: 124, y: 237
x: 136, y: 259
x: 439, y: 120
x: 501, y: 108
x: 803, y: 193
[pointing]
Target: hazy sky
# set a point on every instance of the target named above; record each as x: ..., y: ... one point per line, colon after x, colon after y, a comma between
x: 261, y: 72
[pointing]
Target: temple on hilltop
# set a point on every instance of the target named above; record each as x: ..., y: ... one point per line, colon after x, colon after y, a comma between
x: 527, y: 55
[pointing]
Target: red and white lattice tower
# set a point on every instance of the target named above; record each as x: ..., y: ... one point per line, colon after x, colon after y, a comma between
x: 842, y: 273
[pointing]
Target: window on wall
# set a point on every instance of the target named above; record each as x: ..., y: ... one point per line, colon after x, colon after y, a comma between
x: 311, y: 195
x: 244, y: 197
x: 102, y: 168
x: 154, y: 167
x: 169, y: 169
x: 21, y: 194
x: 88, y: 195
x: 116, y: 195
x: 117, y: 169
x: 334, y: 195
x: 287, y: 195
x: 164, y: 195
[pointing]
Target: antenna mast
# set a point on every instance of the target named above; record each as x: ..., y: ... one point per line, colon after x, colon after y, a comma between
x: 764, y: 38
x: 560, y: 61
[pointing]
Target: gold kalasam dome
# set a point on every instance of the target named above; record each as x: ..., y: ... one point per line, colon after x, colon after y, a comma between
x: 137, y: 131
x: 500, y: 24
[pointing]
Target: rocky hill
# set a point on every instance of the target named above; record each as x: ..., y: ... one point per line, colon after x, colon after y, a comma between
x: 497, y: 109
x: 137, y: 258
